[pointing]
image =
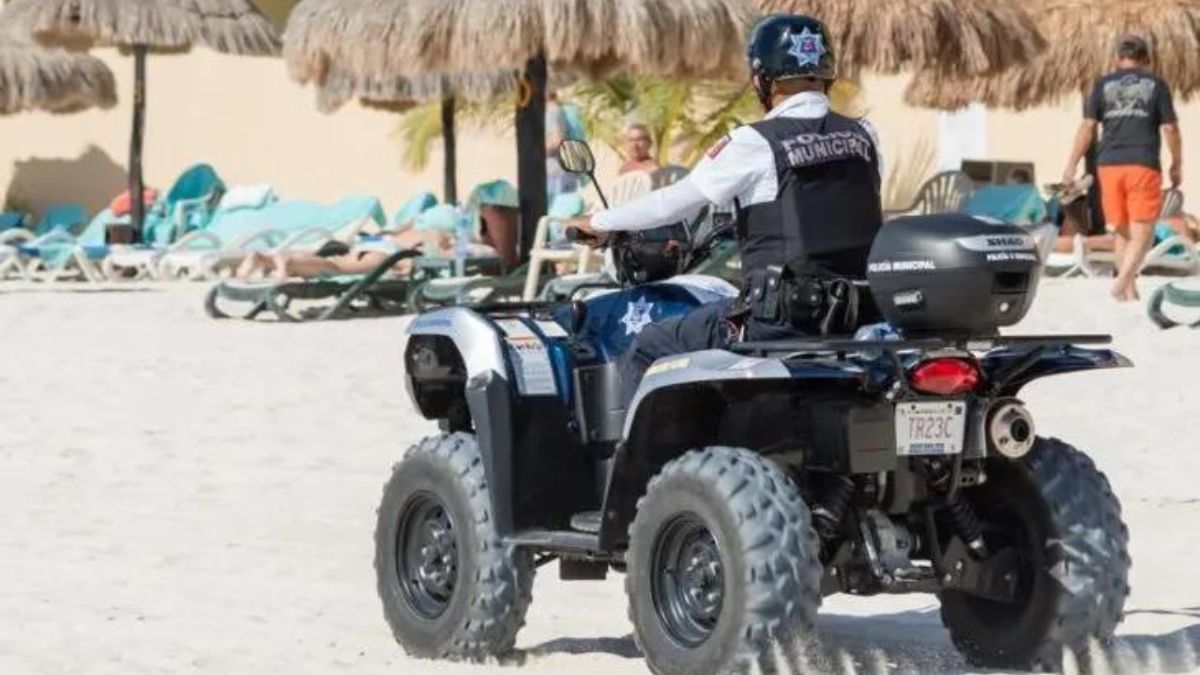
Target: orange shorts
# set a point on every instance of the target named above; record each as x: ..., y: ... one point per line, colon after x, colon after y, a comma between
x: 1131, y: 194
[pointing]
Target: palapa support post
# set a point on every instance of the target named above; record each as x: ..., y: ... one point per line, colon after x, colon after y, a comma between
x: 449, y: 152
x: 135, y: 141
x: 531, y: 150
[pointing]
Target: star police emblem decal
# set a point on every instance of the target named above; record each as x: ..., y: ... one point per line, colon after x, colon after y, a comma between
x: 808, y: 48
x: 637, y: 316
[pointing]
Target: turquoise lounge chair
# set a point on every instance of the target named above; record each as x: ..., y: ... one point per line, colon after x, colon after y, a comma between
x: 10, y: 220
x: 186, y: 207
x: 415, y: 206
x: 63, y: 219
x: 60, y: 254
x: 279, y: 227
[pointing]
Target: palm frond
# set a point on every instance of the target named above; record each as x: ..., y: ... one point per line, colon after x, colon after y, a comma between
x: 418, y: 129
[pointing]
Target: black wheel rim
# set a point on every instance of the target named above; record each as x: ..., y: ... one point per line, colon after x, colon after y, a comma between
x: 1009, y: 521
x: 687, y: 580
x: 427, y: 555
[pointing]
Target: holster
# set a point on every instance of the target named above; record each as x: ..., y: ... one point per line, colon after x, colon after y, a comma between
x: 812, y: 302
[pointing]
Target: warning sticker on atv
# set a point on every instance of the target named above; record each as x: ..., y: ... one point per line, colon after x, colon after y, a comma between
x: 531, y: 361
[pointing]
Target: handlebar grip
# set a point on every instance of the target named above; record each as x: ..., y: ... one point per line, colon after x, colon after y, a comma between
x: 579, y: 236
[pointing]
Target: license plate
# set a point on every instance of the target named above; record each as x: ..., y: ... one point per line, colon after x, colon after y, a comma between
x: 930, y: 428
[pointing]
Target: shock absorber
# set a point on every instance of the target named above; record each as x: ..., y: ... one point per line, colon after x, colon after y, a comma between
x: 831, y: 511
x: 966, y: 524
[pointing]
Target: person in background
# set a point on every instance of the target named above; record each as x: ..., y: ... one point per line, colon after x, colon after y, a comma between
x: 1136, y: 111
x: 563, y: 122
x: 635, y: 148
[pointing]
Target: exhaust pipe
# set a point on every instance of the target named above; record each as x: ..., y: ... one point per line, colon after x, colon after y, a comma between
x: 1010, y: 429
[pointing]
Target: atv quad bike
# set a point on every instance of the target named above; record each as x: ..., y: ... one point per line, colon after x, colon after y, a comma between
x: 742, y: 486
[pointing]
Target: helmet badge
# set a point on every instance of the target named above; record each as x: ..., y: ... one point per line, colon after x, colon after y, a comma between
x: 808, y: 48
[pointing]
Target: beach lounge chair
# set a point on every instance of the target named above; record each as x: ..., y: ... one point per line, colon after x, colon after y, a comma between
x: 946, y: 192
x: 62, y: 255
x: 275, y: 228
x: 544, y: 252
x: 11, y: 220
x: 62, y: 218
x: 1172, y: 294
x: 626, y: 188
x: 408, y: 212
x: 481, y: 278
x: 186, y: 207
x: 352, y: 295
x: 371, y: 294
x: 1171, y: 253
x: 1015, y: 204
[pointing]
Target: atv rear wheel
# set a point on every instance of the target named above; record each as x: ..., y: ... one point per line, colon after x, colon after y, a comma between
x: 1060, y: 513
x: 722, y: 564
x: 450, y: 588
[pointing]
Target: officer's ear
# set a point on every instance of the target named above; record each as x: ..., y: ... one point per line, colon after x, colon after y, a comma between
x: 764, y: 95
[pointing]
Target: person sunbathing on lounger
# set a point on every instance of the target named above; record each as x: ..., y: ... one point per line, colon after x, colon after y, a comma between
x: 432, y: 234
x: 336, y: 258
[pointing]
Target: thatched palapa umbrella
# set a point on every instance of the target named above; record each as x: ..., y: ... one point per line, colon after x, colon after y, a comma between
x: 36, y: 78
x: 143, y: 26
x: 1082, y: 36
x: 889, y: 36
x: 409, y: 38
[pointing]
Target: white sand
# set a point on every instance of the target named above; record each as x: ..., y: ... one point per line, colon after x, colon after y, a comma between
x: 182, y: 495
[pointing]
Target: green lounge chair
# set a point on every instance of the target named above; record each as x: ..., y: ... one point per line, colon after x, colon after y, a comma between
x: 1171, y: 294
x: 353, y: 296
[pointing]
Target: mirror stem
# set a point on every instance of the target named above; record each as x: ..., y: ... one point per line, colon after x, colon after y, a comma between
x: 592, y: 177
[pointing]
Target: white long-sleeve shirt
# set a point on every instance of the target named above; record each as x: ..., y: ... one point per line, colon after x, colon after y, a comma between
x: 741, y: 166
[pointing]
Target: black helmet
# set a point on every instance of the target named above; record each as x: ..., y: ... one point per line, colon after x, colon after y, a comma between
x: 784, y: 46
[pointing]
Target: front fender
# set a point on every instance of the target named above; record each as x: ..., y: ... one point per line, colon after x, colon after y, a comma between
x: 475, y: 338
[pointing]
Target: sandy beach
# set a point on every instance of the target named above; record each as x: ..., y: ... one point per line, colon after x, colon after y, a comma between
x: 179, y: 495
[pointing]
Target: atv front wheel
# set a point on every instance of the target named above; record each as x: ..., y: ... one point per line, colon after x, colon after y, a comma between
x: 1060, y: 513
x: 450, y: 588
x: 722, y: 564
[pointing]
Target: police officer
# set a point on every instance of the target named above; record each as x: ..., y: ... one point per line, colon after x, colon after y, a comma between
x: 805, y: 182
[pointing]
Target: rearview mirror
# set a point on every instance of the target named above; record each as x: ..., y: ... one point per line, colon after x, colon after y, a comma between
x: 576, y: 157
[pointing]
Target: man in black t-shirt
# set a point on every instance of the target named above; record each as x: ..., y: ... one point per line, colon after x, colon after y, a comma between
x: 1136, y: 110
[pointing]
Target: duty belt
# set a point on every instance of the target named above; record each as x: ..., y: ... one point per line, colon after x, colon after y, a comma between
x: 814, y: 303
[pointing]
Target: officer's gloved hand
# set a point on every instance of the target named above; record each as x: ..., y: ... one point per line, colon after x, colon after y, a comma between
x: 580, y: 230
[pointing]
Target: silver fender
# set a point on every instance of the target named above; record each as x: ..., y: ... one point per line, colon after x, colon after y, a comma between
x: 707, y: 366
x: 477, y: 339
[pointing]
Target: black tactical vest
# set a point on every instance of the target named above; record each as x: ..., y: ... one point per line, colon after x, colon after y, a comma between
x: 828, y: 209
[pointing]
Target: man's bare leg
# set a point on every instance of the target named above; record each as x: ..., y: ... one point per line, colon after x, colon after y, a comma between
x: 1141, y: 235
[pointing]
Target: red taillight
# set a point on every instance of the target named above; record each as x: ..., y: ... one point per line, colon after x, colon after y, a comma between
x: 943, y: 377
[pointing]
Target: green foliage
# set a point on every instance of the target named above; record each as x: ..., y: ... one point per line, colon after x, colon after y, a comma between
x: 420, y: 128
x: 684, y: 118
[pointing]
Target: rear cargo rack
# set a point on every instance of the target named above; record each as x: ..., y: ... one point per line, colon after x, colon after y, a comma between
x: 982, y: 344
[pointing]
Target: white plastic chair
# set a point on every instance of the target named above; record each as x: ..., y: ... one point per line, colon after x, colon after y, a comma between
x: 581, y: 256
